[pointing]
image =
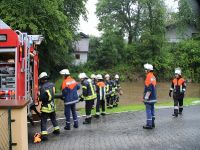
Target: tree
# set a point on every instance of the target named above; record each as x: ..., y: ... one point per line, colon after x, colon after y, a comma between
x: 56, y: 20
x: 120, y: 15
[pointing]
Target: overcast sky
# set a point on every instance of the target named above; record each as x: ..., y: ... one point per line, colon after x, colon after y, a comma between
x: 90, y: 27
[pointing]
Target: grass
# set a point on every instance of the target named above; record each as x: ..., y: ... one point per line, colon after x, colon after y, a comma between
x: 140, y: 107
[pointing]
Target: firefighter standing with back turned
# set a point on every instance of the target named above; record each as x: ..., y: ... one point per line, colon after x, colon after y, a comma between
x: 101, y: 96
x: 150, y: 96
x: 69, y: 92
x: 88, y: 95
x: 178, y: 88
x: 47, y: 91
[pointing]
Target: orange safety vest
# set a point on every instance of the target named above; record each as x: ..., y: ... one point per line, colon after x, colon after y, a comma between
x: 69, y: 82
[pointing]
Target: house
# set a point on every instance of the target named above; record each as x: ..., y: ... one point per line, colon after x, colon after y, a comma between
x: 173, y: 36
x: 191, y: 30
x: 81, y: 49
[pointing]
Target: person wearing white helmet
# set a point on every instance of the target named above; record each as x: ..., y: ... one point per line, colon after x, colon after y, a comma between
x: 88, y: 95
x: 109, y: 91
x: 47, y: 91
x: 69, y: 92
x: 150, y: 97
x: 178, y: 88
x: 101, y: 96
x: 117, y: 90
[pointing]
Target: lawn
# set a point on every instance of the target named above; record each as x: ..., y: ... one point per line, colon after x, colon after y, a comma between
x: 140, y: 107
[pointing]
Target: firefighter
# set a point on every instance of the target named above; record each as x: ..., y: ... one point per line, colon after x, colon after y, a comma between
x: 117, y: 91
x: 88, y: 95
x: 149, y: 96
x: 101, y: 96
x: 109, y: 91
x: 93, y: 80
x: 47, y: 91
x: 178, y: 88
x: 70, y: 95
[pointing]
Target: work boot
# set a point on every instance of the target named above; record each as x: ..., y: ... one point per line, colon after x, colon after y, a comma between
x: 75, y: 124
x: 44, y: 137
x: 180, y: 113
x: 96, y: 116
x: 56, y: 132
x: 67, y: 127
x: 87, y: 121
x: 175, y: 115
x: 103, y: 113
x: 147, y: 127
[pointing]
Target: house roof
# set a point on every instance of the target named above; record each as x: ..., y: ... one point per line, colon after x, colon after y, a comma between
x: 83, y: 35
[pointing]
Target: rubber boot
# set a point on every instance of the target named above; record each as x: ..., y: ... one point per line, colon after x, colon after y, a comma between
x: 87, y: 121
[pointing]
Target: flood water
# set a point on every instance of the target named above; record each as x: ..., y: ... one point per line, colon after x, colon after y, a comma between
x: 133, y: 93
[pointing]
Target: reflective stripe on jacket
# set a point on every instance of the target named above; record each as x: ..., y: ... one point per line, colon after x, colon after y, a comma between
x: 101, y: 90
x: 69, y: 90
x: 88, y: 90
x: 150, y: 86
x: 178, y: 87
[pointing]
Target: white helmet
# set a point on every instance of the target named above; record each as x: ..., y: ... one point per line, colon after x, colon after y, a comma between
x: 116, y: 76
x: 82, y: 76
x: 93, y: 76
x: 178, y: 71
x: 42, y: 75
x: 99, y: 77
x: 148, y: 66
x: 64, y: 72
x: 107, y: 76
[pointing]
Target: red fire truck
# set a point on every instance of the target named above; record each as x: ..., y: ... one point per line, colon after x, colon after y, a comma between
x: 18, y: 64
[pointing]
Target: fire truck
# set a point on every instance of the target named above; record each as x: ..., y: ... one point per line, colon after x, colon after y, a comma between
x: 19, y: 64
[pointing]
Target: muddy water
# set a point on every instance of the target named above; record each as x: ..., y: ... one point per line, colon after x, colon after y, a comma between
x: 133, y: 93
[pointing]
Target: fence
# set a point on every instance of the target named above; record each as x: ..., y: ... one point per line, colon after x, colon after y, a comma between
x: 5, y: 130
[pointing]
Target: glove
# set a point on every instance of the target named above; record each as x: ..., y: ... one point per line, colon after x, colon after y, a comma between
x: 170, y: 93
x: 81, y: 99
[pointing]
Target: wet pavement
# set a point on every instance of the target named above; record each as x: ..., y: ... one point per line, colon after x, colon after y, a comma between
x: 124, y: 132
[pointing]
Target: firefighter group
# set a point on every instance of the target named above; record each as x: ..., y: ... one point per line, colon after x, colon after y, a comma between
x: 100, y: 92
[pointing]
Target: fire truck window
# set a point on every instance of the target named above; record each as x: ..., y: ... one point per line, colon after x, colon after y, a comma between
x: 77, y: 56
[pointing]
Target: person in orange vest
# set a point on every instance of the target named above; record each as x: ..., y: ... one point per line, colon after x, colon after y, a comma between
x: 70, y: 94
x: 150, y: 96
x: 101, y: 96
x: 178, y: 88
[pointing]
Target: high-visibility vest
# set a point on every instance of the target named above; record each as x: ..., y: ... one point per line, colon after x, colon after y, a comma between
x: 178, y: 85
x: 47, y: 97
x: 88, y: 91
x: 101, y: 90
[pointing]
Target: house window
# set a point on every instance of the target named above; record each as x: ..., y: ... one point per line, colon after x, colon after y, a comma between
x: 77, y: 56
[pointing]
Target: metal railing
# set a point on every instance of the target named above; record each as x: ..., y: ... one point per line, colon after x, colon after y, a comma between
x: 5, y: 130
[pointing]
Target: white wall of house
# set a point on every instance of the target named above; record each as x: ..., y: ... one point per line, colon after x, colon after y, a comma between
x: 83, y: 58
x: 173, y: 36
x: 82, y: 45
x: 81, y: 51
